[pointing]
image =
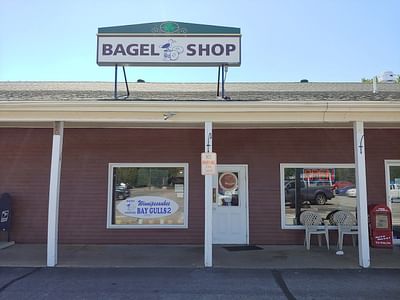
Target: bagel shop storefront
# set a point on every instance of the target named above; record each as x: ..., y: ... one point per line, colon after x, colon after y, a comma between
x: 101, y: 156
x: 84, y: 167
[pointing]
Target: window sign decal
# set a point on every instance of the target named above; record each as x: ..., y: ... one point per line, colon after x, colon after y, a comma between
x: 148, y: 207
x: 228, y: 181
x: 4, y: 215
x: 147, y: 195
x: 228, y: 189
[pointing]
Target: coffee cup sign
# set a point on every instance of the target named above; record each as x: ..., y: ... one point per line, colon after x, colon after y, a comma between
x: 228, y: 181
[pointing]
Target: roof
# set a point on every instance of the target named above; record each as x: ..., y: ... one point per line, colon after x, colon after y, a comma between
x: 260, y: 92
x: 252, y: 105
x: 168, y: 27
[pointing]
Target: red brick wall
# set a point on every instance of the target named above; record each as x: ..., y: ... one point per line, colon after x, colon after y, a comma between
x: 263, y: 151
x: 25, y: 156
x: 87, y: 153
x: 25, y: 163
x: 380, y: 145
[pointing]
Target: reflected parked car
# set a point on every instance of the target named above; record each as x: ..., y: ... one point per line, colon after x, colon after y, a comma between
x: 394, y: 192
x: 351, y: 192
x: 343, y: 190
x: 341, y: 187
x: 313, y: 194
x: 121, y: 192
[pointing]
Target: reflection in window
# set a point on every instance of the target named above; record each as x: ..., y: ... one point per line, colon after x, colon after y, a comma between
x: 394, y: 198
x: 148, y: 196
x: 323, y: 189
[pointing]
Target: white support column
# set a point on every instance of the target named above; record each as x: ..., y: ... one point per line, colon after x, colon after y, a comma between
x: 208, y: 193
x: 54, y: 194
x: 362, y: 205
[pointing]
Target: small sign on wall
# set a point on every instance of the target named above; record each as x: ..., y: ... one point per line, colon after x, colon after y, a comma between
x: 208, y: 163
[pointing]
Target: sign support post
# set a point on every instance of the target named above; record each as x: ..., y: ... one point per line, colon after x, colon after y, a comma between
x: 208, y: 200
x: 361, y: 183
x: 54, y: 194
x: 116, y: 83
x: 222, y: 69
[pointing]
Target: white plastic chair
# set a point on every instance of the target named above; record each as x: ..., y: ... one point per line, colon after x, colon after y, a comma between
x: 312, y: 222
x: 346, y: 223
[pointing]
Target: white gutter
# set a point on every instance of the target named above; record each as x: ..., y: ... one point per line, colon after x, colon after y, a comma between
x: 198, y: 112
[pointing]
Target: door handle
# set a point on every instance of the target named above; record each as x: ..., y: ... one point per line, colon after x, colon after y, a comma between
x: 214, y: 195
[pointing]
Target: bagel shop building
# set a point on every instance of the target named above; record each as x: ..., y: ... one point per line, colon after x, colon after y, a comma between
x: 181, y: 164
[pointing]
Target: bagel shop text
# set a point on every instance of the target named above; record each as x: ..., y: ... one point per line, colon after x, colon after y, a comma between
x: 168, y: 50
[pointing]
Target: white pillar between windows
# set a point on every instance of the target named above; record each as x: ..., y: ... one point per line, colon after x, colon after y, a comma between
x: 208, y: 193
x: 362, y: 205
x: 54, y: 194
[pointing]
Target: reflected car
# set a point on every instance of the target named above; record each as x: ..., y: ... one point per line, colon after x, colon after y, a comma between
x: 121, y: 193
x: 351, y: 192
x: 394, y: 192
x: 340, y: 187
x: 313, y: 194
x: 343, y: 190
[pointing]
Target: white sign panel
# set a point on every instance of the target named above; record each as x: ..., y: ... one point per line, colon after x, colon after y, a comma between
x: 209, y: 163
x: 168, y: 50
x: 147, y: 207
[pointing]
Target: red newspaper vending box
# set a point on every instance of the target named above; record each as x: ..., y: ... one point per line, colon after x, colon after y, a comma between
x: 380, y: 226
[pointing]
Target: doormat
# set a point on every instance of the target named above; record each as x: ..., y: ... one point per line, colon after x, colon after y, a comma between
x: 243, y: 248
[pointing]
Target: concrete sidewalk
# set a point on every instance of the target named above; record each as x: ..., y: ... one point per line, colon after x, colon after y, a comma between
x: 269, y: 257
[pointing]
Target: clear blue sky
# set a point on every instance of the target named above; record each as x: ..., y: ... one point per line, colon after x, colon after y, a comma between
x: 331, y: 40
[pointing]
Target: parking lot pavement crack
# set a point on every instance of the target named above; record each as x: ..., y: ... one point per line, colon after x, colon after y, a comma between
x: 282, y: 284
x: 18, y: 279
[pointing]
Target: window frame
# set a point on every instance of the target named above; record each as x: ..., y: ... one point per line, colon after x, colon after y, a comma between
x: 302, y: 165
x: 111, y: 167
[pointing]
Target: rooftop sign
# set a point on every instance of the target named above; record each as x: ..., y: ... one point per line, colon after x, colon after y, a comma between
x: 168, y: 44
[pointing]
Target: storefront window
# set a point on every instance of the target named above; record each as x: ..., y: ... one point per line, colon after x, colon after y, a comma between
x: 320, y: 188
x: 147, y: 196
x: 393, y: 192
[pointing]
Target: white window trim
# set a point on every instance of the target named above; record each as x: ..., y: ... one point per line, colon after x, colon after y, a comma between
x: 301, y: 165
x: 390, y: 163
x: 185, y: 167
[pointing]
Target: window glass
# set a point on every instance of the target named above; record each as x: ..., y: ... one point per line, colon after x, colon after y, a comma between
x: 148, y: 196
x: 321, y: 189
x: 394, y: 195
x: 228, y: 189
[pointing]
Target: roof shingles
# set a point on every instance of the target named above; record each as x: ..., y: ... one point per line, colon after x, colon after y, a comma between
x: 103, y: 91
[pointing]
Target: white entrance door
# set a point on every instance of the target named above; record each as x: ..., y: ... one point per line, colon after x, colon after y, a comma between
x: 393, y: 195
x: 230, y: 217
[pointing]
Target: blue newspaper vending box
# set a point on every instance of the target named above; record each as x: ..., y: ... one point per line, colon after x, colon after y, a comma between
x: 5, y: 216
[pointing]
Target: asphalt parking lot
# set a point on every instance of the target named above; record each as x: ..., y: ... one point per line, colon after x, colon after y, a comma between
x: 197, y: 283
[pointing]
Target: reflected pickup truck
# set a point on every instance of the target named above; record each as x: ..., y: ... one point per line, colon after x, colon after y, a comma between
x: 315, y: 194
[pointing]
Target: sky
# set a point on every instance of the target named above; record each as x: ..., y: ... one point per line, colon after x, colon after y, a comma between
x: 282, y: 41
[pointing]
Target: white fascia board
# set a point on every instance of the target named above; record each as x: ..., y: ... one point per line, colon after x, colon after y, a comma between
x: 239, y: 112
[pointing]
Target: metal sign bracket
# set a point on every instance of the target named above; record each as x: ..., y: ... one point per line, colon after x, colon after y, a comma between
x: 116, y: 84
x: 222, y: 77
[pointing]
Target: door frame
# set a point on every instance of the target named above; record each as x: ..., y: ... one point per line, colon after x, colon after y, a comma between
x: 388, y: 164
x: 246, y: 192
